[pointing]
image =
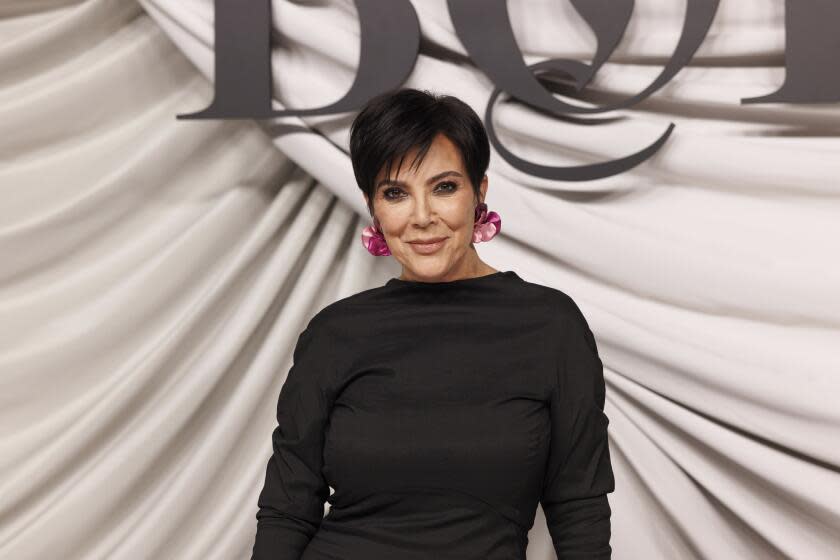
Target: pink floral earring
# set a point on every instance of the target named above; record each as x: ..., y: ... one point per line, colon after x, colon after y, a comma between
x: 374, y: 241
x: 487, y: 225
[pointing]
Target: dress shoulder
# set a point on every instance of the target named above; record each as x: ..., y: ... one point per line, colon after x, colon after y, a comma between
x: 561, y: 304
x: 346, y: 304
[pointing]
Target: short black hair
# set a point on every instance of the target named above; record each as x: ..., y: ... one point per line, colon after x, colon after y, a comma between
x: 393, y: 123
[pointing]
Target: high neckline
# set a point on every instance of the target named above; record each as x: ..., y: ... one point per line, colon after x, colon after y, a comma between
x: 451, y: 283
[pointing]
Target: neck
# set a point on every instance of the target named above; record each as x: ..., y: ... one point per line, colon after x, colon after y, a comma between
x: 471, y: 268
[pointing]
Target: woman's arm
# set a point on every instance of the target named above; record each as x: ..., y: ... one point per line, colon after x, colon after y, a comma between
x: 579, y: 473
x: 291, y: 504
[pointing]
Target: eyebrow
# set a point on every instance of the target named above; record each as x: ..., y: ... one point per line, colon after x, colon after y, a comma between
x: 395, y: 183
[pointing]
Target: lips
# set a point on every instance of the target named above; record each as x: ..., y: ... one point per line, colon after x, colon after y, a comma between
x: 428, y: 241
x: 427, y: 247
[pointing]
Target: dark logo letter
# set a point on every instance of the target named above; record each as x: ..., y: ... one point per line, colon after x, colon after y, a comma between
x: 484, y: 29
x: 812, y: 48
x: 390, y: 40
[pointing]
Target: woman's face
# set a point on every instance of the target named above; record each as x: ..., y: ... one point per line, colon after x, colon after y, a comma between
x: 434, y: 201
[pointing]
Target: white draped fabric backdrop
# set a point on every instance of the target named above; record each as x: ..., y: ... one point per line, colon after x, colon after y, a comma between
x: 155, y: 273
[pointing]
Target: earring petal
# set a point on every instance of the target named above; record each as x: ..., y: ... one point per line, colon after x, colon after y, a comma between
x: 487, y: 224
x: 374, y: 242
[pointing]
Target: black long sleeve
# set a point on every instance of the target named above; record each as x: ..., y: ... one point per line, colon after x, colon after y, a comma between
x: 579, y: 473
x: 291, y: 504
x: 442, y: 414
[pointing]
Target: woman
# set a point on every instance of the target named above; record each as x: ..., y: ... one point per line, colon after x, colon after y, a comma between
x: 444, y: 405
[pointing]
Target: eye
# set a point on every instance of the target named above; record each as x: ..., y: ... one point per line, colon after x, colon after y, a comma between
x: 453, y: 186
x: 387, y: 193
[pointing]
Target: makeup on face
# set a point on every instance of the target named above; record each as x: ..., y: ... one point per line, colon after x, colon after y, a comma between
x: 427, y: 248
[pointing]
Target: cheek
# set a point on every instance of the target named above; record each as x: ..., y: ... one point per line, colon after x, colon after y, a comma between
x: 459, y: 219
x: 390, y: 218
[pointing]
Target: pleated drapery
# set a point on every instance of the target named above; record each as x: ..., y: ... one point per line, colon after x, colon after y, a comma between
x: 155, y: 273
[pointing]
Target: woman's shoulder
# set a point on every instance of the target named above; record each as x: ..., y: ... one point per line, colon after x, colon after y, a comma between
x: 345, y: 313
x: 564, y: 314
x: 558, y: 300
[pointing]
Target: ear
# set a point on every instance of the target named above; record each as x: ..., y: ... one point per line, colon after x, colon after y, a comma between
x: 483, y: 188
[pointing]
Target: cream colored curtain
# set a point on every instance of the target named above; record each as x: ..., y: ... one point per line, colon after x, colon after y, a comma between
x: 155, y: 273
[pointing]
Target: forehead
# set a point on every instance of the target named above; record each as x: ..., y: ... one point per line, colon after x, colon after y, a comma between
x: 443, y: 154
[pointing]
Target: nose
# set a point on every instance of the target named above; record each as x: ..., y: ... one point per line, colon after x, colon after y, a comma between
x: 422, y: 212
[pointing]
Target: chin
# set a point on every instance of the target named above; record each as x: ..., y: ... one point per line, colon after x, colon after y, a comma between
x: 429, y: 268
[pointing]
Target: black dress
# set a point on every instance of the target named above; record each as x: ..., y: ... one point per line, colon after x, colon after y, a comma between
x: 441, y: 414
